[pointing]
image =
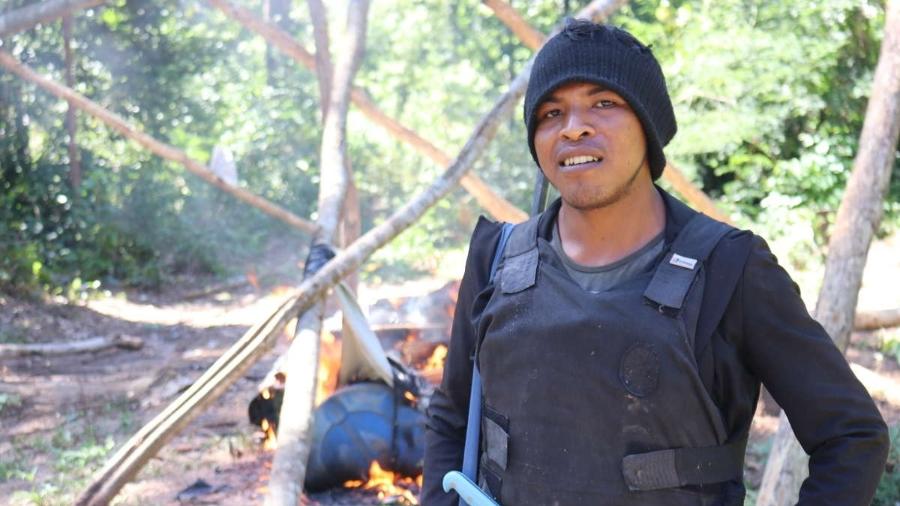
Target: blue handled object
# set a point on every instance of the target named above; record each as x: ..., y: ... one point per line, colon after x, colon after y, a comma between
x: 467, y: 490
x: 473, y: 423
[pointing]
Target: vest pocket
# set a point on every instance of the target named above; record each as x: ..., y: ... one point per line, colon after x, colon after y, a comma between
x: 495, y: 450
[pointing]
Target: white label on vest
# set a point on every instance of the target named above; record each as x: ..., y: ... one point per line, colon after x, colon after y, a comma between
x: 680, y: 261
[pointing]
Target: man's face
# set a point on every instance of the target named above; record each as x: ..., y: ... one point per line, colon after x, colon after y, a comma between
x: 590, y: 145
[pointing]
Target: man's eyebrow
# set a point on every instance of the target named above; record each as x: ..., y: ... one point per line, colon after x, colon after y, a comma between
x: 553, y: 99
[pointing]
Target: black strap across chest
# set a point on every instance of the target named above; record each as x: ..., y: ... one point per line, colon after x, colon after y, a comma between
x: 671, y: 281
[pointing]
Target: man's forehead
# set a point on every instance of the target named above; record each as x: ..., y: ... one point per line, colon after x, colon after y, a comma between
x: 582, y: 87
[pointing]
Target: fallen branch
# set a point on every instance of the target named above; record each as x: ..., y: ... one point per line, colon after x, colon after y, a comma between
x: 161, y: 149
x: 41, y: 12
x: 879, y: 387
x: 534, y: 39
x: 84, y: 346
x: 496, y: 205
x: 874, y: 320
x: 134, y: 454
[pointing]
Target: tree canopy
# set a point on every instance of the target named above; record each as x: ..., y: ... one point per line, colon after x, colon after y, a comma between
x: 770, y: 98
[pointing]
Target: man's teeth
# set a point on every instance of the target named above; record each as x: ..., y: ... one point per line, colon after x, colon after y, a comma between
x: 575, y: 160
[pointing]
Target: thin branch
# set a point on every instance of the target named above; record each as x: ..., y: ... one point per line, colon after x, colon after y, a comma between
x: 529, y: 36
x: 496, y: 205
x: 324, y: 70
x: 159, y: 148
x: 42, y: 12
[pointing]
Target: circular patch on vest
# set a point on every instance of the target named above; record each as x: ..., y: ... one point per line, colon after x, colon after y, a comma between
x: 639, y: 369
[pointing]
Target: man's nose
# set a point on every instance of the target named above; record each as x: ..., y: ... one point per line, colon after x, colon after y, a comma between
x: 577, y: 126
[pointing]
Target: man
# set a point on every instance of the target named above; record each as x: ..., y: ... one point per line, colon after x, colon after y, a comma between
x: 624, y: 337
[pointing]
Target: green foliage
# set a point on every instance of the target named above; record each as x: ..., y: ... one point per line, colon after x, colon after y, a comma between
x: 888, y: 491
x: 54, y: 468
x: 890, y: 343
x: 9, y: 401
x: 770, y: 98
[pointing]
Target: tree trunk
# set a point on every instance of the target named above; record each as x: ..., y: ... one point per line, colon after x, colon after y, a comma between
x: 535, y: 39
x: 295, y: 418
x: 135, y: 453
x: 71, y: 124
x: 41, y: 12
x: 858, y: 217
x: 161, y: 149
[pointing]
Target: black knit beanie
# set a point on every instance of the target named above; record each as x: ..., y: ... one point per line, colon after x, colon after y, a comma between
x: 611, y: 57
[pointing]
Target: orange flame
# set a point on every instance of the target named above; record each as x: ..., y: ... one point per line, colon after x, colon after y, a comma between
x: 329, y: 364
x: 433, y: 369
x: 271, y: 442
x: 388, y: 484
x: 436, y: 360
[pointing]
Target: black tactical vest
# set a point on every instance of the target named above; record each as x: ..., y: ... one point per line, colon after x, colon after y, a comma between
x: 595, y: 398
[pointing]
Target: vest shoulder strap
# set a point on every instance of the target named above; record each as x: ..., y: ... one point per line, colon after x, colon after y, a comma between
x: 520, y: 259
x: 473, y: 425
x: 684, y: 259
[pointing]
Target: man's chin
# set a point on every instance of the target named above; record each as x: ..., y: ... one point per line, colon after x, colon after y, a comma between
x: 589, y: 202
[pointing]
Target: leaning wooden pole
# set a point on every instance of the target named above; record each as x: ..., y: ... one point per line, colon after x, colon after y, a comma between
x: 159, y: 148
x: 858, y: 217
x: 526, y: 33
x: 41, y: 12
x: 135, y: 453
x: 534, y: 39
x: 490, y: 200
x: 302, y: 358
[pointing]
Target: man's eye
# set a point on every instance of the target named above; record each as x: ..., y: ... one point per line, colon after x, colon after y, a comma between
x: 605, y: 104
x: 550, y: 114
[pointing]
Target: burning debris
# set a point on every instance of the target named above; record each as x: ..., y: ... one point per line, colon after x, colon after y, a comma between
x: 390, y: 487
x: 369, y: 423
x: 361, y: 424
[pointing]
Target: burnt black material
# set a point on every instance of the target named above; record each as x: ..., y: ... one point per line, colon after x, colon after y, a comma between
x: 319, y: 255
x: 261, y: 408
x: 359, y: 424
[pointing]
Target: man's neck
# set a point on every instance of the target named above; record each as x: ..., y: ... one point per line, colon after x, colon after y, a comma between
x: 596, y: 237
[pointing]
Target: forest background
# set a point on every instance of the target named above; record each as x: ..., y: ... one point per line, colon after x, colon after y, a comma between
x: 770, y: 98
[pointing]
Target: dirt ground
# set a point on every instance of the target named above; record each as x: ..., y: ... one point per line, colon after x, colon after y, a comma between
x: 61, y: 416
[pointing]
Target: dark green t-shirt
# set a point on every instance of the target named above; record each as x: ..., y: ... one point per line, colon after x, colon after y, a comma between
x: 604, y: 277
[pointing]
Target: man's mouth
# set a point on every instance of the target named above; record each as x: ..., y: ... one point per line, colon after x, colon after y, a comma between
x: 580, y: 160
